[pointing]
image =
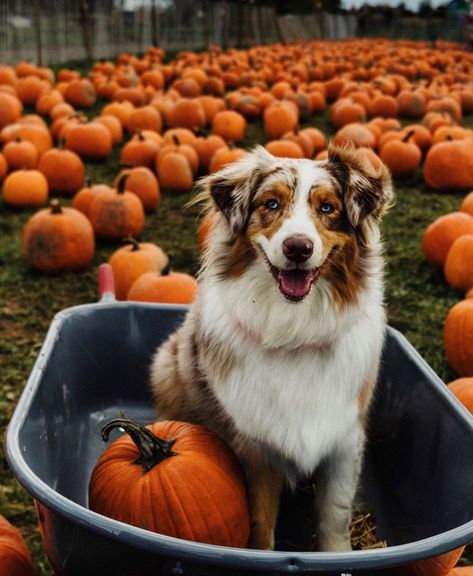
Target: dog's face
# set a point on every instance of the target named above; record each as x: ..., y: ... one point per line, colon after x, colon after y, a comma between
x: 304, y: 219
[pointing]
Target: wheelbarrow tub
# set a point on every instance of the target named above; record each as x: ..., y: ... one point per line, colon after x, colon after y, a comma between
x: 94, y: 363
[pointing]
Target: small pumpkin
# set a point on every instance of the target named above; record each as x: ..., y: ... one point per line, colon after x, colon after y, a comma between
x: 58, y: 238
x: 230, y: 125
x: 458, y: 337
x: 224, y: 156
x: 140, y: 151
x: 20, y: 154
x: 15, y: 558
x: 25, y: 188
x: 131, y: 261
x: 80, y: 93
x: 187, y: 113
x: 64, y: 170
x: 144, y: 118
x: 442, y: 232
x: 279, y: 118
x: 402, y: 157
x: 116, y: 213
x: 84, y: 197
x: 90, y: 140
x: 284, y: 148
x: 174, y: 478
x: 174, y: 172
x: 206, y: 148
x: 467, y: 204
x: 448, y: 166
x: 167, y: 287
x: 463, y: 390
x: 440, y: 565
x: 142, y: 182
x: 458, y: 268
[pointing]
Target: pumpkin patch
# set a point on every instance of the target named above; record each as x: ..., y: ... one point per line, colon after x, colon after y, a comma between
x: 172, y: 119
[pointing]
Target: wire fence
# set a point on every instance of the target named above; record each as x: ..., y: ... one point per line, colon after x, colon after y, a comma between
x: 49, y: 32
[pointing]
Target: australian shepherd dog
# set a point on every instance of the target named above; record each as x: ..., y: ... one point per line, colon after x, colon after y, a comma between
x: 279, y: 353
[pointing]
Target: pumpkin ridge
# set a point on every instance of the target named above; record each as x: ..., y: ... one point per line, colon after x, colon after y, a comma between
x: 177, y: 505
x: 204, y: 487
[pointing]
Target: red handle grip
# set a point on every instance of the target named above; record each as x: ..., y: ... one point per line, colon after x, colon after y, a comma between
x: 106, y: 282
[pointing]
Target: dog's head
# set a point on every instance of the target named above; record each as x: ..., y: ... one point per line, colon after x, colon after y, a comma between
x: 305, y: 219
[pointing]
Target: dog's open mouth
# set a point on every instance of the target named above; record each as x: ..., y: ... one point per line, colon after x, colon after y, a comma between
x: 295, y: 284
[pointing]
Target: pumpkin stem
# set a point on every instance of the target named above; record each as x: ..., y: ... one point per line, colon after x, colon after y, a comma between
x: 121, y: 183
x: 408, y: 135
x: 135, y: 244
x: 55, y: 206
x: 141, y: 138
x: 176, y: 140
x: 153, y: 450
x: 126, y: 165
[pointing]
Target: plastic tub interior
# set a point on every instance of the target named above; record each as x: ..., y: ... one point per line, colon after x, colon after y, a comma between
x: 417, y: 477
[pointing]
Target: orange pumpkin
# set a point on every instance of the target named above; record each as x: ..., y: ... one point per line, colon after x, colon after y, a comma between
x: 440, y: 565
x: 117, y: 213
x: 10, y: 109
x: 230, y: 125
x: 131, y: 261
x: 402, y: 157
x: 167, y: 287
x: 140, y: 151
x: 279, y: 118
x: 458, y: 268
x: 467, y: 204
x: 58, y: 238
x: 174, y: 172
x: 206, y: 148
x: 463, y: 390
x: 144, y: 118
x: 90, y: 140
x: 64, y: 170
x: 458, y: 337
x: 84, y: 197
x: 80, y: 93
x: 142, y: 182
x: 448, y: 166
x: 3, y: 167
x: 20, y: 154
x: 113, y: 125
x: 224, y: 156
x: 201, y: 490
x: 284, y: 148
x: 355, y: 133
x: 15, y: 558
x: 25, y: 188
x: 442, y: 232
x: 187, y: 113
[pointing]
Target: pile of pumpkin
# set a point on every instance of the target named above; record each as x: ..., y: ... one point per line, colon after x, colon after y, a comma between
x: 448, y: 244
x: 176, y: 121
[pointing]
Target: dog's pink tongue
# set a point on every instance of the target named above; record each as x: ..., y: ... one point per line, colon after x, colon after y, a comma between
x: 295, y: 284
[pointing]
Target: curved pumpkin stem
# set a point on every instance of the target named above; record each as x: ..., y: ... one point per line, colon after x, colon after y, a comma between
x: 135, y: 244
x: 122, y: 182
x: 153, y: 450
x: 176, y: 140
x: 408, y: 135
x: 55, y: 206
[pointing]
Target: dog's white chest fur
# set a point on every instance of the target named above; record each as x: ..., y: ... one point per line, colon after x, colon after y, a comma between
x: 298, y: 399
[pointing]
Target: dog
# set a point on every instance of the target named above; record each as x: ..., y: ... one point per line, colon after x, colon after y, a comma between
x: 279, y: 353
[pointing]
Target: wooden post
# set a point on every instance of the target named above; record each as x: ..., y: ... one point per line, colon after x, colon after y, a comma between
x: 37, y: 20
x: 154, y: 25
x: 85, y: 25
x: 277, y: 27
x: 240, y: 26
x: 225, y: 24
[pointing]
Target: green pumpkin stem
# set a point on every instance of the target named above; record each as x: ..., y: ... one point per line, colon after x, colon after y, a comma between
x: 153, y: 450
x: 122, y: 182
x: 55, y: 206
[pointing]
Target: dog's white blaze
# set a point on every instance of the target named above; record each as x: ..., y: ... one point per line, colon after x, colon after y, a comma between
x: 299, y: 220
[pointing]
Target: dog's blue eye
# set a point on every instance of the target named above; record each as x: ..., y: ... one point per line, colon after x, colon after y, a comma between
x: 326, y: 208
x: 272, y: 204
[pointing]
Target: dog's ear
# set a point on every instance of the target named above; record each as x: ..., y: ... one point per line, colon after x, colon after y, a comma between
x: 233, y: 188
x: 365, y: 182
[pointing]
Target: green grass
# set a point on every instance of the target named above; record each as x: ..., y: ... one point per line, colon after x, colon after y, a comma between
x: 417, y: 296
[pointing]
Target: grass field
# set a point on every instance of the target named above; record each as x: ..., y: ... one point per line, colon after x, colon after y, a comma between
x: 417, y: 297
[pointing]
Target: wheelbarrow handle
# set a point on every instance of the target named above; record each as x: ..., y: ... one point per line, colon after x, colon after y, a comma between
x: 106, y: 283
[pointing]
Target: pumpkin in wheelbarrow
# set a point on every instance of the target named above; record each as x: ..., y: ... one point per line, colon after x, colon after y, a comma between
x: 174, y: 478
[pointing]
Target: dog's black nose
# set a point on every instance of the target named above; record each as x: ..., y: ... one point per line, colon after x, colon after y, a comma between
x: 298, y: 248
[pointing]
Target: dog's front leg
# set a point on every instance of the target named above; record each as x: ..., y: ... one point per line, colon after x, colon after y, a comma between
x: 264, y: 486
x: 336, y: 488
